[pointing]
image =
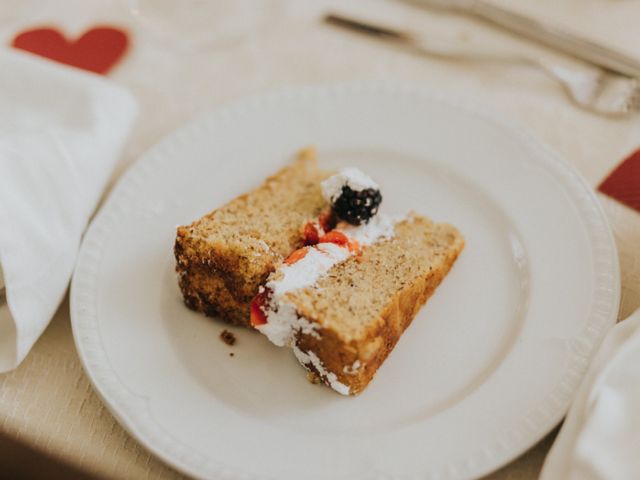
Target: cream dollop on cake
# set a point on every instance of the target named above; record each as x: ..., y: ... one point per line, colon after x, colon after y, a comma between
x: 350, y: 177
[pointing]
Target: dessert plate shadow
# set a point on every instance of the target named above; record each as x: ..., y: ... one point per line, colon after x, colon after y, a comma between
x: 486, y: 369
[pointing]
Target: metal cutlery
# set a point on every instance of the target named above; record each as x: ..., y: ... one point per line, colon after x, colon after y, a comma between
x: 544, y: 33
x: 595, y: 90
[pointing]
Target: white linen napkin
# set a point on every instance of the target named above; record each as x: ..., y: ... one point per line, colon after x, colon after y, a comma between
x: 600, y: 438
x: 61, y: 132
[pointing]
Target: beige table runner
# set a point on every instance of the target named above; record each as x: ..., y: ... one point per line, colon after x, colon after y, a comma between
x: 48, y: 401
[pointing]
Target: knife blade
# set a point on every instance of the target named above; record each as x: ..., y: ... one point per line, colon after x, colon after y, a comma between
x: 549, y: 35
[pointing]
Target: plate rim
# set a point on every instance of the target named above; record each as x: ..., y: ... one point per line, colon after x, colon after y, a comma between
x: 535, y: 424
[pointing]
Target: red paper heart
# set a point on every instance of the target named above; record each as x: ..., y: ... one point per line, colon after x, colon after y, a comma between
x: 623, y: 183
x: 96, y: 50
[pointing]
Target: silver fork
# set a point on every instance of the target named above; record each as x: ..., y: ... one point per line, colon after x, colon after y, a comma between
x: 594, y: 90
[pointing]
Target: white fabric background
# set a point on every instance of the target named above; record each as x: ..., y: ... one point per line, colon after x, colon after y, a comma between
x: 48, y: 401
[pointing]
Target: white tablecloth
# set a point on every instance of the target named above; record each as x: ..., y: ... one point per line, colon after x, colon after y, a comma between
x: 48, y: 402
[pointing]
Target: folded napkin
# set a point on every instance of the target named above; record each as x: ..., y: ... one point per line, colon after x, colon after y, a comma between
x: 61, y: 132
x: 600, y: 438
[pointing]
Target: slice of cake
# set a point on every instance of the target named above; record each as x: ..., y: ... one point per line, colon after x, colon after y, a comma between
x: 343, y: 312
x: 223, y: 258
x: 309, y: 262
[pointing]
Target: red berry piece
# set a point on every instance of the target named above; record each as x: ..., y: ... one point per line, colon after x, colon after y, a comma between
x: 310, y: 234
x: 336, y: 237
x: 297, y: 255
x: 354, y: 246
x: 258, y: 303
x: 327, y: 221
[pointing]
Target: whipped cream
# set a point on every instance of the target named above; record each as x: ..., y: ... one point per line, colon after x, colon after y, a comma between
x: 283, y: 323
x: 306, y: 271
x: 351, y: 177
x: 306, y: 358
x: 379, y: 227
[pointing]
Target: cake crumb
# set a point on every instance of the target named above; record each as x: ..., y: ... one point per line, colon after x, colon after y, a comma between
x: 313, y: 378
x: 227, y: 337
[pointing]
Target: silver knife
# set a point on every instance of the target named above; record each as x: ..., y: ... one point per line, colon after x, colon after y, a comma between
x: 549, y: 35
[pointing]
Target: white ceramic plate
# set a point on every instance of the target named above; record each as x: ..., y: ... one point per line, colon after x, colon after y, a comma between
x: 489, y: 365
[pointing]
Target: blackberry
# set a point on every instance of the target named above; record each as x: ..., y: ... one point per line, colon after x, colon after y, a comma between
x: 357, y: 206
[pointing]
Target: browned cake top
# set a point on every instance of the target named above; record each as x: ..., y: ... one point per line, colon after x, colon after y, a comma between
x: 350, y: 299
